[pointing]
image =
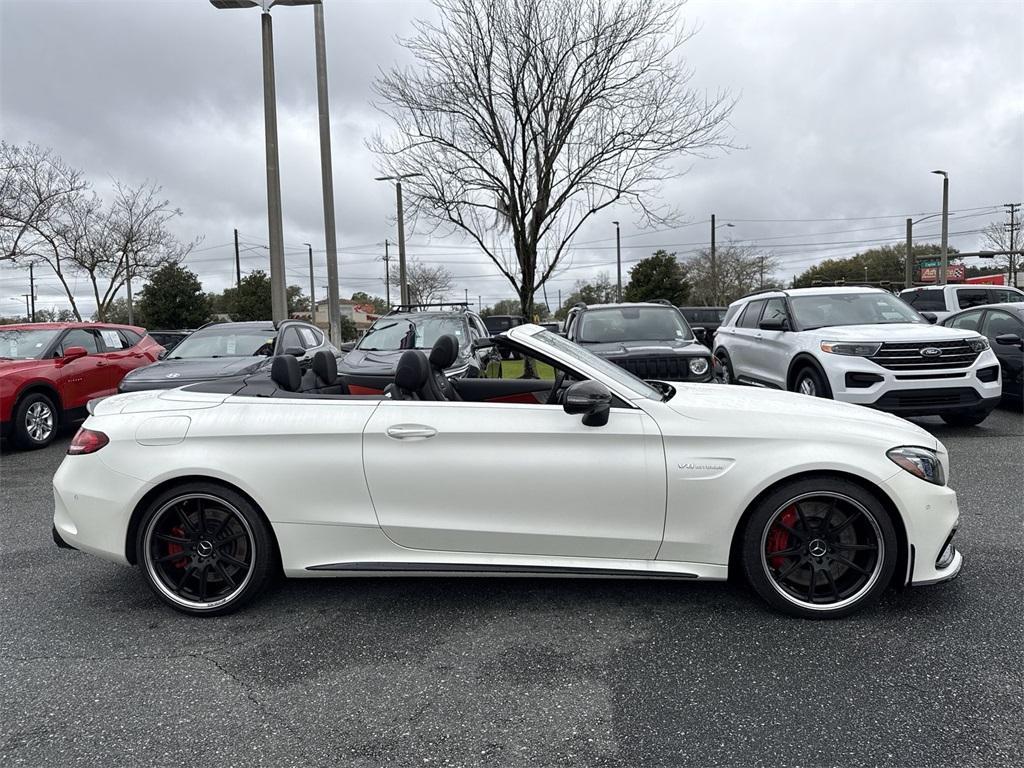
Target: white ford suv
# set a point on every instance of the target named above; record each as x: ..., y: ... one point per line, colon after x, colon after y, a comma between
x: 858, y: 345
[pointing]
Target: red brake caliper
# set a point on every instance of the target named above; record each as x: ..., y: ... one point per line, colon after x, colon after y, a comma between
x: 174, y: 549
x: 779, y: 537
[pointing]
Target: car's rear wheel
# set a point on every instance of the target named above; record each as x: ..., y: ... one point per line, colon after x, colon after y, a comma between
x: 809, y: 381
x: 35, y: 421
x: 965, y: 418
x: 820, y: 548
x: 204, y: 549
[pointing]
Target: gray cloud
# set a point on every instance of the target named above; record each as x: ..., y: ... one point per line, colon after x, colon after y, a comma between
x: 844, y: 108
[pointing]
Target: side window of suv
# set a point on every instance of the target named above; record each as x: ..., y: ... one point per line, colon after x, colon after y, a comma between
x: 751, y: 314
x: 731, y: 313
x: 79, y: 337
x: 971, y: 297
x: 775, y: 308
x: 968, y: 320
x: 1005, y: 295
x: 289, y: 340
x: 926, y: 300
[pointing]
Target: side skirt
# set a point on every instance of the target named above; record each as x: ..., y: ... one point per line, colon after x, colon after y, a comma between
x: 537, y: 570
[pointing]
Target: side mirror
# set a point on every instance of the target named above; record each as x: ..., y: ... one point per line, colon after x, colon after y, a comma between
x: 295, y: 352
x: 483, y: 342
x: 700, y: 333
x: 931, y: 317
x: 592, y: 399
x: 162, y: 354
x: 73, y: 353
x: 1010, y: 340
x: 774, y: 324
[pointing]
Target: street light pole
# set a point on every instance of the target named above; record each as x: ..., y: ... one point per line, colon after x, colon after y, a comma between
x: 714, y: 270
x: 944, y: 258
x: 908, y: 274
x: 327, y: 176
x: 618, y: 263
x: 403, y: 284
x: 278, y: 287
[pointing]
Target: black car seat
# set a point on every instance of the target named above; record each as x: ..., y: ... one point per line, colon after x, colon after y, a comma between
x: 412, y: 376
x: 286, y: 372
x: 325, y: 373
x: 442, y: 355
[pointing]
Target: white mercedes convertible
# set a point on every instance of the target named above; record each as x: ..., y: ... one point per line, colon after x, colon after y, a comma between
x: 212, y: 488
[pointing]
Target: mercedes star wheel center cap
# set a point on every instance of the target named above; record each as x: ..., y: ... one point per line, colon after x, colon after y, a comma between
x: 817, y: 548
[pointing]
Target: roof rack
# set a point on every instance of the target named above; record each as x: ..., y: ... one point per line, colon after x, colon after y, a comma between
x: 666, y: 302
x: 455, y: 306
x: 765, y: 290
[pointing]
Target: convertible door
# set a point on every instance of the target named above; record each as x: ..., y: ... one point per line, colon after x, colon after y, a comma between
x: 516, y: 479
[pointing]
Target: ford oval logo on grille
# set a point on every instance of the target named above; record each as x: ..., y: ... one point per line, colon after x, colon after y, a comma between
x: 931, y: 352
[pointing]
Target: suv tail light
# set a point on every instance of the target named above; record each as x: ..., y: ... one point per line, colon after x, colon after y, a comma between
x: 87, y: 441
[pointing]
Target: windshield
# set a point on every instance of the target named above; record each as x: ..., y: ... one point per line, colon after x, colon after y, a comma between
x: 611, y: 370
x: 226, y: 342
x: 831, y: 309
x: 25, y: 344
x: 600, y: 326
x: 391, y: 334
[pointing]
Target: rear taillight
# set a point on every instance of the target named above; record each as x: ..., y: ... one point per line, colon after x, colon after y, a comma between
x: 87, y: 441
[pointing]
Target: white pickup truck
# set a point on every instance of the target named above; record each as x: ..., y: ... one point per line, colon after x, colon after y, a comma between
x: 943, y: 300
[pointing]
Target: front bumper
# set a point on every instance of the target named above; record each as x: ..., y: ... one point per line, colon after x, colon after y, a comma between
x: 918, y: 393
x: 931, y: 516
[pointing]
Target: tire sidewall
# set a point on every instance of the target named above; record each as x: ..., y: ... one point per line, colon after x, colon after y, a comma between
x: 760, y: 581
x: 21, y: 435
x: 723, y: 359
x: 811, y: 372
x: 265, y: 546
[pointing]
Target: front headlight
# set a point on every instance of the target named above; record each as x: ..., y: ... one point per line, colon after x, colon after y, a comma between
x: 920, y: 462
x: 978, y: 344
x: 698, y: 366
x: 852, y: 349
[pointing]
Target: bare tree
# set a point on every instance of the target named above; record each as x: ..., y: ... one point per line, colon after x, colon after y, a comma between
x: 533, y: 115
x: 37, y: 191
x: 738, y: 271
x: 427, y: 285
x: 997, y: 238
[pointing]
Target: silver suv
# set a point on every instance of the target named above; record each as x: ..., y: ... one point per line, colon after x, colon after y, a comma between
x: 858, y: 345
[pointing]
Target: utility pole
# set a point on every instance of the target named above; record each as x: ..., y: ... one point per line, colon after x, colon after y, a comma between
x: 312, y: 288
x: 479, y: 305
x: 1011, y: 208
x: 128, y: 285
x: 466, y: 290
x: 278, y: 290
x: 714, y: 270
x: 762, y: 271
x: 238, y: 265
x: 402, y: 278
x: 32, y: 290
x: 908, y: 267
x: 27, y: 296
x: 618, y: 263
x: 387, y: 276
x: 559, y: 299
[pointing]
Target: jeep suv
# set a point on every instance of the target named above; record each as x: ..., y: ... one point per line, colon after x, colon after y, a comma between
x: 650, y: 340
x: 859, y: 345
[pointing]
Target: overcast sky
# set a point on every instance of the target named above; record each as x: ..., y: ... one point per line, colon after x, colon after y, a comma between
x: 844, y: 108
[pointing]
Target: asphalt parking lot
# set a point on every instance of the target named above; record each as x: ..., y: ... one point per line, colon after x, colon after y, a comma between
x: 515, y: 672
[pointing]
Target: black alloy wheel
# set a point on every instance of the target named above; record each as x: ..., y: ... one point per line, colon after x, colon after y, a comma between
x: 204, y: 549
x: 820, y: 548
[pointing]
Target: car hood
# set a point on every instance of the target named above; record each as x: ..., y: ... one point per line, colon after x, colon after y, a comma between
x: 893, y: 332
x: 197, y: 369
x: 380, y: 363
x: 773, y: 412
x: 648, y: 347
x: 8, y: 367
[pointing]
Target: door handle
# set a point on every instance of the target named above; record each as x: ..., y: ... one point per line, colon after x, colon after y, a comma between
x: 411, y: 432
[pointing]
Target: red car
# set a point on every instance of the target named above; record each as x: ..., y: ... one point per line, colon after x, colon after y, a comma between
x: 49, y: 371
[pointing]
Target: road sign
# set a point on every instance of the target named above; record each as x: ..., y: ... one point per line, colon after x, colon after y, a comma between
x: 928, y: 263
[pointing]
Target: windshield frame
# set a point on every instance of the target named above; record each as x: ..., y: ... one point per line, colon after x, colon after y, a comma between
x: 915, y: 319
x: 389, y: 321
x: 578, y: 358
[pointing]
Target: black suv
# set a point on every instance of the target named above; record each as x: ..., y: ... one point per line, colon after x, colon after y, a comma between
x: 650, y: 340
x: 370, y: 366
x: 224, y: 350
x: 708, y: 318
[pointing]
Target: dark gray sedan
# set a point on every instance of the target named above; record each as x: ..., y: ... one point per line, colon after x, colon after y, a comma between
x: 221, y: 350
x: 1003, y: 326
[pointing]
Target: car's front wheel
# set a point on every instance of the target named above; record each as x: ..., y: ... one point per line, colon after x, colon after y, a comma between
x: 204, y: 549
x: 35, y: 421
x: 819, y: 548
x: 809, y: 381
